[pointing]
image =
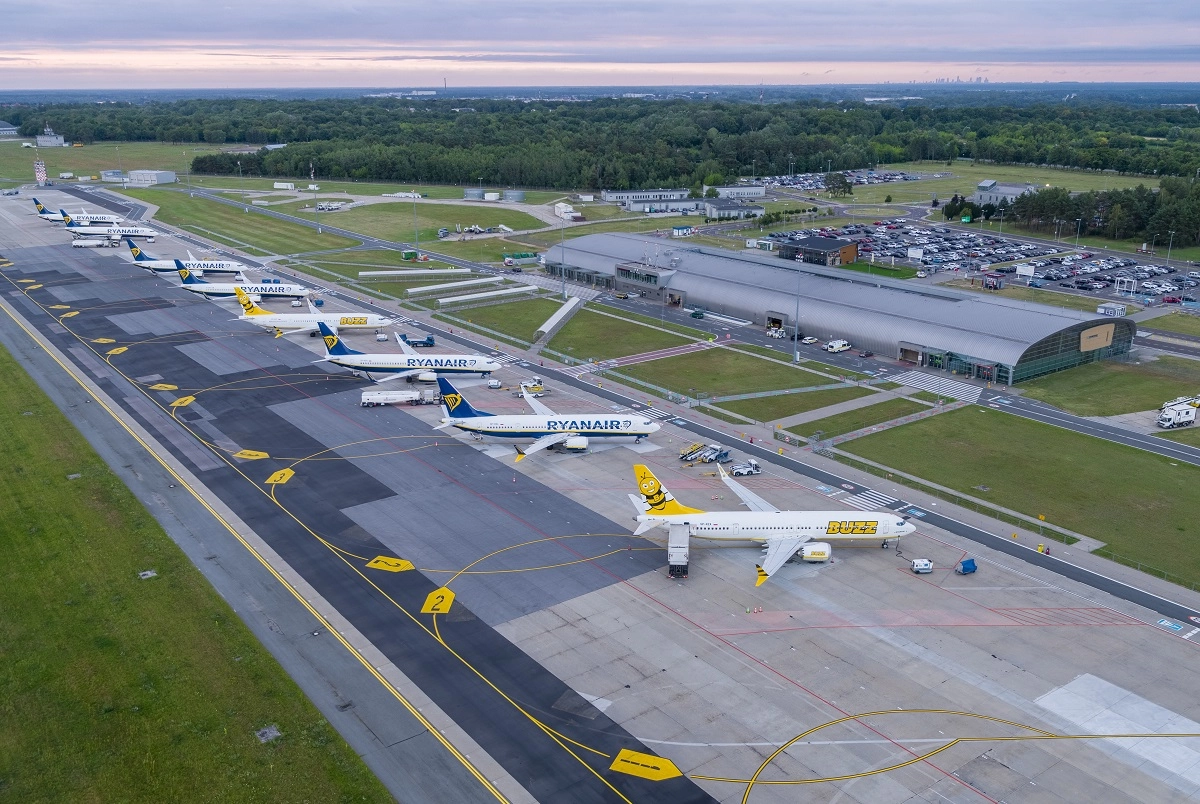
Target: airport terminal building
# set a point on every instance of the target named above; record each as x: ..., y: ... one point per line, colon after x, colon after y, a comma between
x: 990, y: 338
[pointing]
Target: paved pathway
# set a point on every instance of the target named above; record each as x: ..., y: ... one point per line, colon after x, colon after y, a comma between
x: 629, y: 360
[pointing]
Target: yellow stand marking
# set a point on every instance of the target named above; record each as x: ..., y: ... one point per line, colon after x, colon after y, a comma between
x: 120, y: 350
x: 26, y: 281
x: 438, y: 602
x: 280, y: 477
x: 60, y: 307
x: 250, y: 455
x: 34, y: 287
x: 71, y: 314
x: 164, y: 386
x: 645, y: 766
x: 183, y: 401
x: 390, y: 564
x: 103, y: 340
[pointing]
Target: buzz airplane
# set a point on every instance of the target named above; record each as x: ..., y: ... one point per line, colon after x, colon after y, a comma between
x: 82, y: 217
x: 544, y: 426
x: 79, y: 229
x: 199, y: 267
x: 288, y: 323
x: 225, y: 289
x: 386, y: 367
x: 783, y: 533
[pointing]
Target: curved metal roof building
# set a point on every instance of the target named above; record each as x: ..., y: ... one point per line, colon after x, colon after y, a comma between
x: 990, y: 337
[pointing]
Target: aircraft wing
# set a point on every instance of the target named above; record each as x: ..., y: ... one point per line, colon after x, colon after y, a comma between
x: 749, y: 498
x: 778, y: 551
x: 398, y: 375
x: 542, y: 443
x: 538, y: 407
x: 405, y: 346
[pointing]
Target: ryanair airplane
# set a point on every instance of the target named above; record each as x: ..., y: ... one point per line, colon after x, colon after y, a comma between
x: 288, y: 323
x: 546, y: 427
x: 78, y: 228
x: 198, y: 267
x: 783, y: 533
x: 86, y: 218
x: 386, y: 367
x: 218, y: 290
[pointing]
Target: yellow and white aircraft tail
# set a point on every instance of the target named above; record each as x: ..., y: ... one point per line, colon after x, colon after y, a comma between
x: 656, y: 500
x: 248, y: 305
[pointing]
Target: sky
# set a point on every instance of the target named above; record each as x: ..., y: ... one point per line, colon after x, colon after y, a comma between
x: 475, y: 43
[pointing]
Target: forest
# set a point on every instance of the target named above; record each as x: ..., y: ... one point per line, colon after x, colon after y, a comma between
x: 628, y: 143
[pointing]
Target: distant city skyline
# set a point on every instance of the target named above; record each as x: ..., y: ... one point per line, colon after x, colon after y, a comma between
x: 620, y: 42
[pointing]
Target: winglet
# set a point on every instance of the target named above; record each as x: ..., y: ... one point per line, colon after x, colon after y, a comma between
x: 520, y: 455
x: 762, y: 575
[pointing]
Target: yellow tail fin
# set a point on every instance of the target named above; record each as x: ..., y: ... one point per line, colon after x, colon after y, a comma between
x: 248, y: 306
x: 656, y: 495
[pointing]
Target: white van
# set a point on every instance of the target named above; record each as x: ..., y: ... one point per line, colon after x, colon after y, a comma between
x: 837, y: 346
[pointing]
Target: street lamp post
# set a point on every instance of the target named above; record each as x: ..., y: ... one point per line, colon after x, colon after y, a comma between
x: 796, y: 322
x: 1001, y: 213
x: 1078, y: 227
x: 1152, y: 239
x: 1170, y: 243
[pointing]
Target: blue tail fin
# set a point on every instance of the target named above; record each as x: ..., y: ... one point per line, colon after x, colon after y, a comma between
x: 41, y: 208
x: 67, y: 219
x: 136, y: 251
x: 455, y: 405
x: 333, y: 344
x: 186, y: 275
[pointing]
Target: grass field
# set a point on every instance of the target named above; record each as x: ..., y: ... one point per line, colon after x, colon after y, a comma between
x: 118, y: 689
x: 1188, y: 435
x: 231, y: 225
x: 599, y: 337
x: 784, y: 354
x: 1020, y: 293
x: 1142, y: 504
x: 394, y: 221
x: 432, y: 191
x: 882, y: 268
x: 551, y: 237
x: 17, y: 162
x: 967, y: 176
x: 853, y: 420
x: 721, y: 372
x: 769, y: 408
x: 1183, y: 323
x: 478, y: 249
x: 519, y: 318
x: 1109, y: 387
x: 926, y: 396
x: 688, y: 332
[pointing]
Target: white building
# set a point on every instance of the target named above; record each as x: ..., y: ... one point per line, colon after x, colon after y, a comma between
x: 738, y: 191
x: 145, y: 178
x: 7, y: 129
x: 48, y: 139
x: 625, y: 196
x: 990, y: 191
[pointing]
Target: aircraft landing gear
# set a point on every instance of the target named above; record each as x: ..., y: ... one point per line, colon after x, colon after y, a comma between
x: 637, y: 440
x: 885, y: 544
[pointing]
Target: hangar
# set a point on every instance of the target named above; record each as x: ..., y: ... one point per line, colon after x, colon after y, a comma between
x: 990, y: 338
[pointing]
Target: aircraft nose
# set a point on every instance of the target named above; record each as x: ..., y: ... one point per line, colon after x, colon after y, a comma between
x: 653, y: 427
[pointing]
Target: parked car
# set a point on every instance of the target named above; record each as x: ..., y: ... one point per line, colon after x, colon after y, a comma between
x: 809, y: 339
x: 866, y: 353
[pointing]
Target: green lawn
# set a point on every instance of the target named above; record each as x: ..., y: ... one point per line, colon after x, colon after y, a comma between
x: 369, y: 258
x: 599, y: 337
x: 232, y: 225
x: 926, y: 396
x: 551, y: 237
x: 687, y: 332
x: 1021, y: 293
x: 479, y: 249
x: 852, y: 420
x: 432, y: 191
x: 119, y: 689
x: 1143, y: 505
x: 394, y: 221
x: 784, y: 354
x: 882, y: 268
x: 1183, y: 323
x: 721, y: 372
x: 17, y: 162
x: 1188, y: 435
x: 1110, y: 387
x: 967, y: 176
x: 769, y: 408
x: 519, y: 318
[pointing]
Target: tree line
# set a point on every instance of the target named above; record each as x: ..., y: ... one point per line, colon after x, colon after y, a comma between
x: 628, y: 143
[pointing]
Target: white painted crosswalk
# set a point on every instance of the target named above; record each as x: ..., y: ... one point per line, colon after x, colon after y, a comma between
x: 943, y: 386
x: 869, y: 500
x: 655, y: 413
x: 507, y: 360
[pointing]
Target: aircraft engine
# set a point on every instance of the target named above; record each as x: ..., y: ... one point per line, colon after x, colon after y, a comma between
x: 816, y: 552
